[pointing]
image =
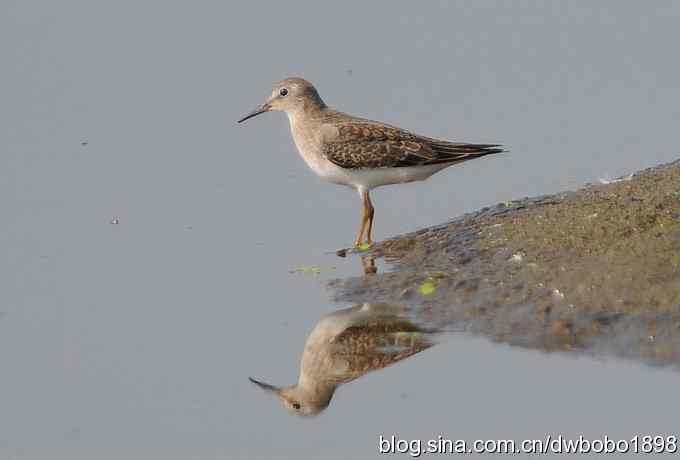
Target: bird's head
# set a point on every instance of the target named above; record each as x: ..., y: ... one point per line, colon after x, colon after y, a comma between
x: 290, y: 95
x: 295, y: 399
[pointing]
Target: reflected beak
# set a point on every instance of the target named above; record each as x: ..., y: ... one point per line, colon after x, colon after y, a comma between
x: 258, y: 110
x: 264, y: 386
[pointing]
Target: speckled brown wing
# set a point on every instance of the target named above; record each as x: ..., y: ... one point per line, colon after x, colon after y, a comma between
x: 372, y: 145
x: 364, y: 145
x: 377, y: 344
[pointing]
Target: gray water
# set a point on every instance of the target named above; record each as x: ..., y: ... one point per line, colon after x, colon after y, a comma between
x: 135, y: 339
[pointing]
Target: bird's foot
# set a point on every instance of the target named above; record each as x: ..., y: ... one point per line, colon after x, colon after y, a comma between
x: 358, y: 247
x: 364, y: 246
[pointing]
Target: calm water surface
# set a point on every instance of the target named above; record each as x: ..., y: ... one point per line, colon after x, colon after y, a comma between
x: 135, y: 339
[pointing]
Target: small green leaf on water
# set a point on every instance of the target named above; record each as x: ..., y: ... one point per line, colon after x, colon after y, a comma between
x: 305, y: 269
x: 508, y: 204
x: 428, y: 288
x: 364, y: 247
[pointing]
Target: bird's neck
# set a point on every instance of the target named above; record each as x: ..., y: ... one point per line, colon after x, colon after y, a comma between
x: 308, y: 112
x: 318, y: 392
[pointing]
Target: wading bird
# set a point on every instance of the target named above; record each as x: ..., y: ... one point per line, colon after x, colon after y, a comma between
x: 359, y: 153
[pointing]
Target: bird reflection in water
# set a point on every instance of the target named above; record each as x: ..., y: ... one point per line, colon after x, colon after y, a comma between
x: 368, y: 264
x: 345, y: 345
x: 367, y: 261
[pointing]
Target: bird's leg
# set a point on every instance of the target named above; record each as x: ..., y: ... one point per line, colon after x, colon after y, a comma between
x: 364, y: 219
x: 362, y: 229
x: 368, y: 207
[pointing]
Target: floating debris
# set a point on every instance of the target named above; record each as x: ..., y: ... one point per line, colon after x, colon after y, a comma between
x: 304, y: 269
x: 364, y: 247
x: 84, y: 143
x: 114, y: 221
x: 428, y: 288
x: 607, y: 180
x: 517, y: 257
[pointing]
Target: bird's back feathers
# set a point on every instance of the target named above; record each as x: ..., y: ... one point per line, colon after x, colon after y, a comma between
x: 364, y: 144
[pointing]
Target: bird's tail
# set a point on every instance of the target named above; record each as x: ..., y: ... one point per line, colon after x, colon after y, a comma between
x: 457, y: 151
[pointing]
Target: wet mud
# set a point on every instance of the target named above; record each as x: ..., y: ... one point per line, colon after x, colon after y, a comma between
x: 590, y: 271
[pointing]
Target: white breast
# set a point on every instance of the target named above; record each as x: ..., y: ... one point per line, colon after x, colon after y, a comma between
x: 309, y: 146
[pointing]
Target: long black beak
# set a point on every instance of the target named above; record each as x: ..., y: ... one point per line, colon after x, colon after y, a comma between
x: 264, y: 386
x: 258, y: 110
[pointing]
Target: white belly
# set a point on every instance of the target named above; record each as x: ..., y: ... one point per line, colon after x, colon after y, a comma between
x: 372, y: 178
x: 368, y: 178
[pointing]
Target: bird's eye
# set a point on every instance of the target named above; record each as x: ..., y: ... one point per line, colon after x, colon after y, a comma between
x: 283, y: 92
x: 296, y: 406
